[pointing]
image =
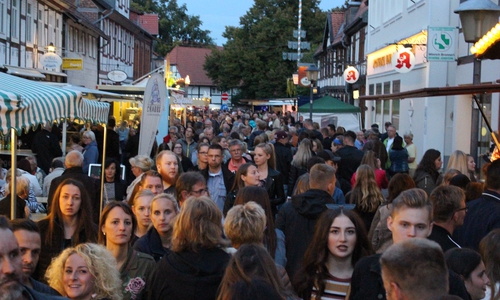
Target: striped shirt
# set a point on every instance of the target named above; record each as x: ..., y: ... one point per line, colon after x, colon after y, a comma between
x: 335, y: 288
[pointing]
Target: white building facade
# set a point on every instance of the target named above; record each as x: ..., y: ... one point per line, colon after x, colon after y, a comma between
x: 444, y: 122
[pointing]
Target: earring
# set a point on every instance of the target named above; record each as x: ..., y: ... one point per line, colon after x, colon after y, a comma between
x: 104, y: 233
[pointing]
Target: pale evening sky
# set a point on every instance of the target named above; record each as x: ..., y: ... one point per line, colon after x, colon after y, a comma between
x: 216, y: 14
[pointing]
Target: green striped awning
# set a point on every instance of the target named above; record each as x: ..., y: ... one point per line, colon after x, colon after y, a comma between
x: 25, y: 103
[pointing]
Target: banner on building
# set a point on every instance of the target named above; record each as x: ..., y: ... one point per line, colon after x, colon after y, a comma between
x: 441, y: 43
x: 73, y: 64
x: 155, y: 96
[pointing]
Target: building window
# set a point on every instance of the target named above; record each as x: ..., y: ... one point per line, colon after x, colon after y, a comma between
x: 76, y: 35
x: 387, y: 87
x: 71, y: 42
x: 3, y: 21
x: 14, y: 19
x: 82, y: 44
x: 29, y: 23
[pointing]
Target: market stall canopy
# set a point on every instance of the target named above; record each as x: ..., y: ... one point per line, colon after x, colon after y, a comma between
x: 328, y: 104
x: 101, y: 95
x: 25, y: 103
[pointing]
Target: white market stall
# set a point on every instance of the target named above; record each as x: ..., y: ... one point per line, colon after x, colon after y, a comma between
x: 24, y: 104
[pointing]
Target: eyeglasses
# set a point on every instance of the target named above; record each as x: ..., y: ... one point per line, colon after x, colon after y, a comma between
x: 466, y: 208
x: 201, y: 191
x: 203, y: 153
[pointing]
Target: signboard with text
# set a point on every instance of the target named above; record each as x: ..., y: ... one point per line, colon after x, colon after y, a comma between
x: 74, y: 64
x: 441, y: 43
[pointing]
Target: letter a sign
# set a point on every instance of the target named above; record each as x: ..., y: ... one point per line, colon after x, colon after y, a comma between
x: 351, y: 75
x: 403, y: 61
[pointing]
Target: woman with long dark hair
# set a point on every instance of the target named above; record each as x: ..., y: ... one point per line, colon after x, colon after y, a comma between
x: 68, y: 224
x: 338, y: 243
x: 116, y: 229
x: 185, y: 162
x: 114, y: 187
x: 247, y: 175
x: 271, y: 179
x: 427, y: 173
x: 469, y: 265
x: 250, y: 262
x: 398, y: 156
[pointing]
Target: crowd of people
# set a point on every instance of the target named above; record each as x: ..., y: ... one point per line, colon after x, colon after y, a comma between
x: 247, y: 205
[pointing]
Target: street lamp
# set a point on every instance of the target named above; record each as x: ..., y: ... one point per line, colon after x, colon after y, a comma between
x: 312, y: 73
x: 477, y: 18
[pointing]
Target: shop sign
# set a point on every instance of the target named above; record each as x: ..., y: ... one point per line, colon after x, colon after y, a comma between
x: 50, y: 60
x: 351, y: 75
x: 441, y: 43
x: 117, y: 75
x: 403, y: 61
x: 74, y: 64
x: 180, y: 99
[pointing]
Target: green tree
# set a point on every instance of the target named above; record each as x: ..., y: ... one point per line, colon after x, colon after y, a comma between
x: 252, y: 56
x: 176, y: 25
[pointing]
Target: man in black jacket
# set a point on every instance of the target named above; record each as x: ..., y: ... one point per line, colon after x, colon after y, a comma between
x: 484, y: 212
x: 283, y: 154
x: 448, y: 209
x: 46, y: 145
x: 350, y: 158
x: 297, y: 218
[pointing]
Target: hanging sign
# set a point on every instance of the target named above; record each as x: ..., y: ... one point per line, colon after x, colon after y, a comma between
x: 117, y: 75
x: 50, y: 60
x: 351, y: 75
x: 441, y: 43
x: 403, y: 61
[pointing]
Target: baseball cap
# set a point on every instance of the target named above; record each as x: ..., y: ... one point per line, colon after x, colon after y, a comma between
x: 328, y: 155
x: 337, y: 142
x: 280, y: 135
x: 252, y: 123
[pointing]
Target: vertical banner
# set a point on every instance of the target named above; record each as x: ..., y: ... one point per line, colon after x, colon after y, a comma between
x: 155, y: 96
x: 303, y: 80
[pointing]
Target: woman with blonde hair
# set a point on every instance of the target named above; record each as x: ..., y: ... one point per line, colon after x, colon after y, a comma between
x: 141, y: 206
x: 299, y: 163
x: 271, y: 179
x: 194, y: 268
x: 366, y: 195
x: 88, y: 266
x: 157, y: 241
x: 458, y: 161
x: 370, y: 159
